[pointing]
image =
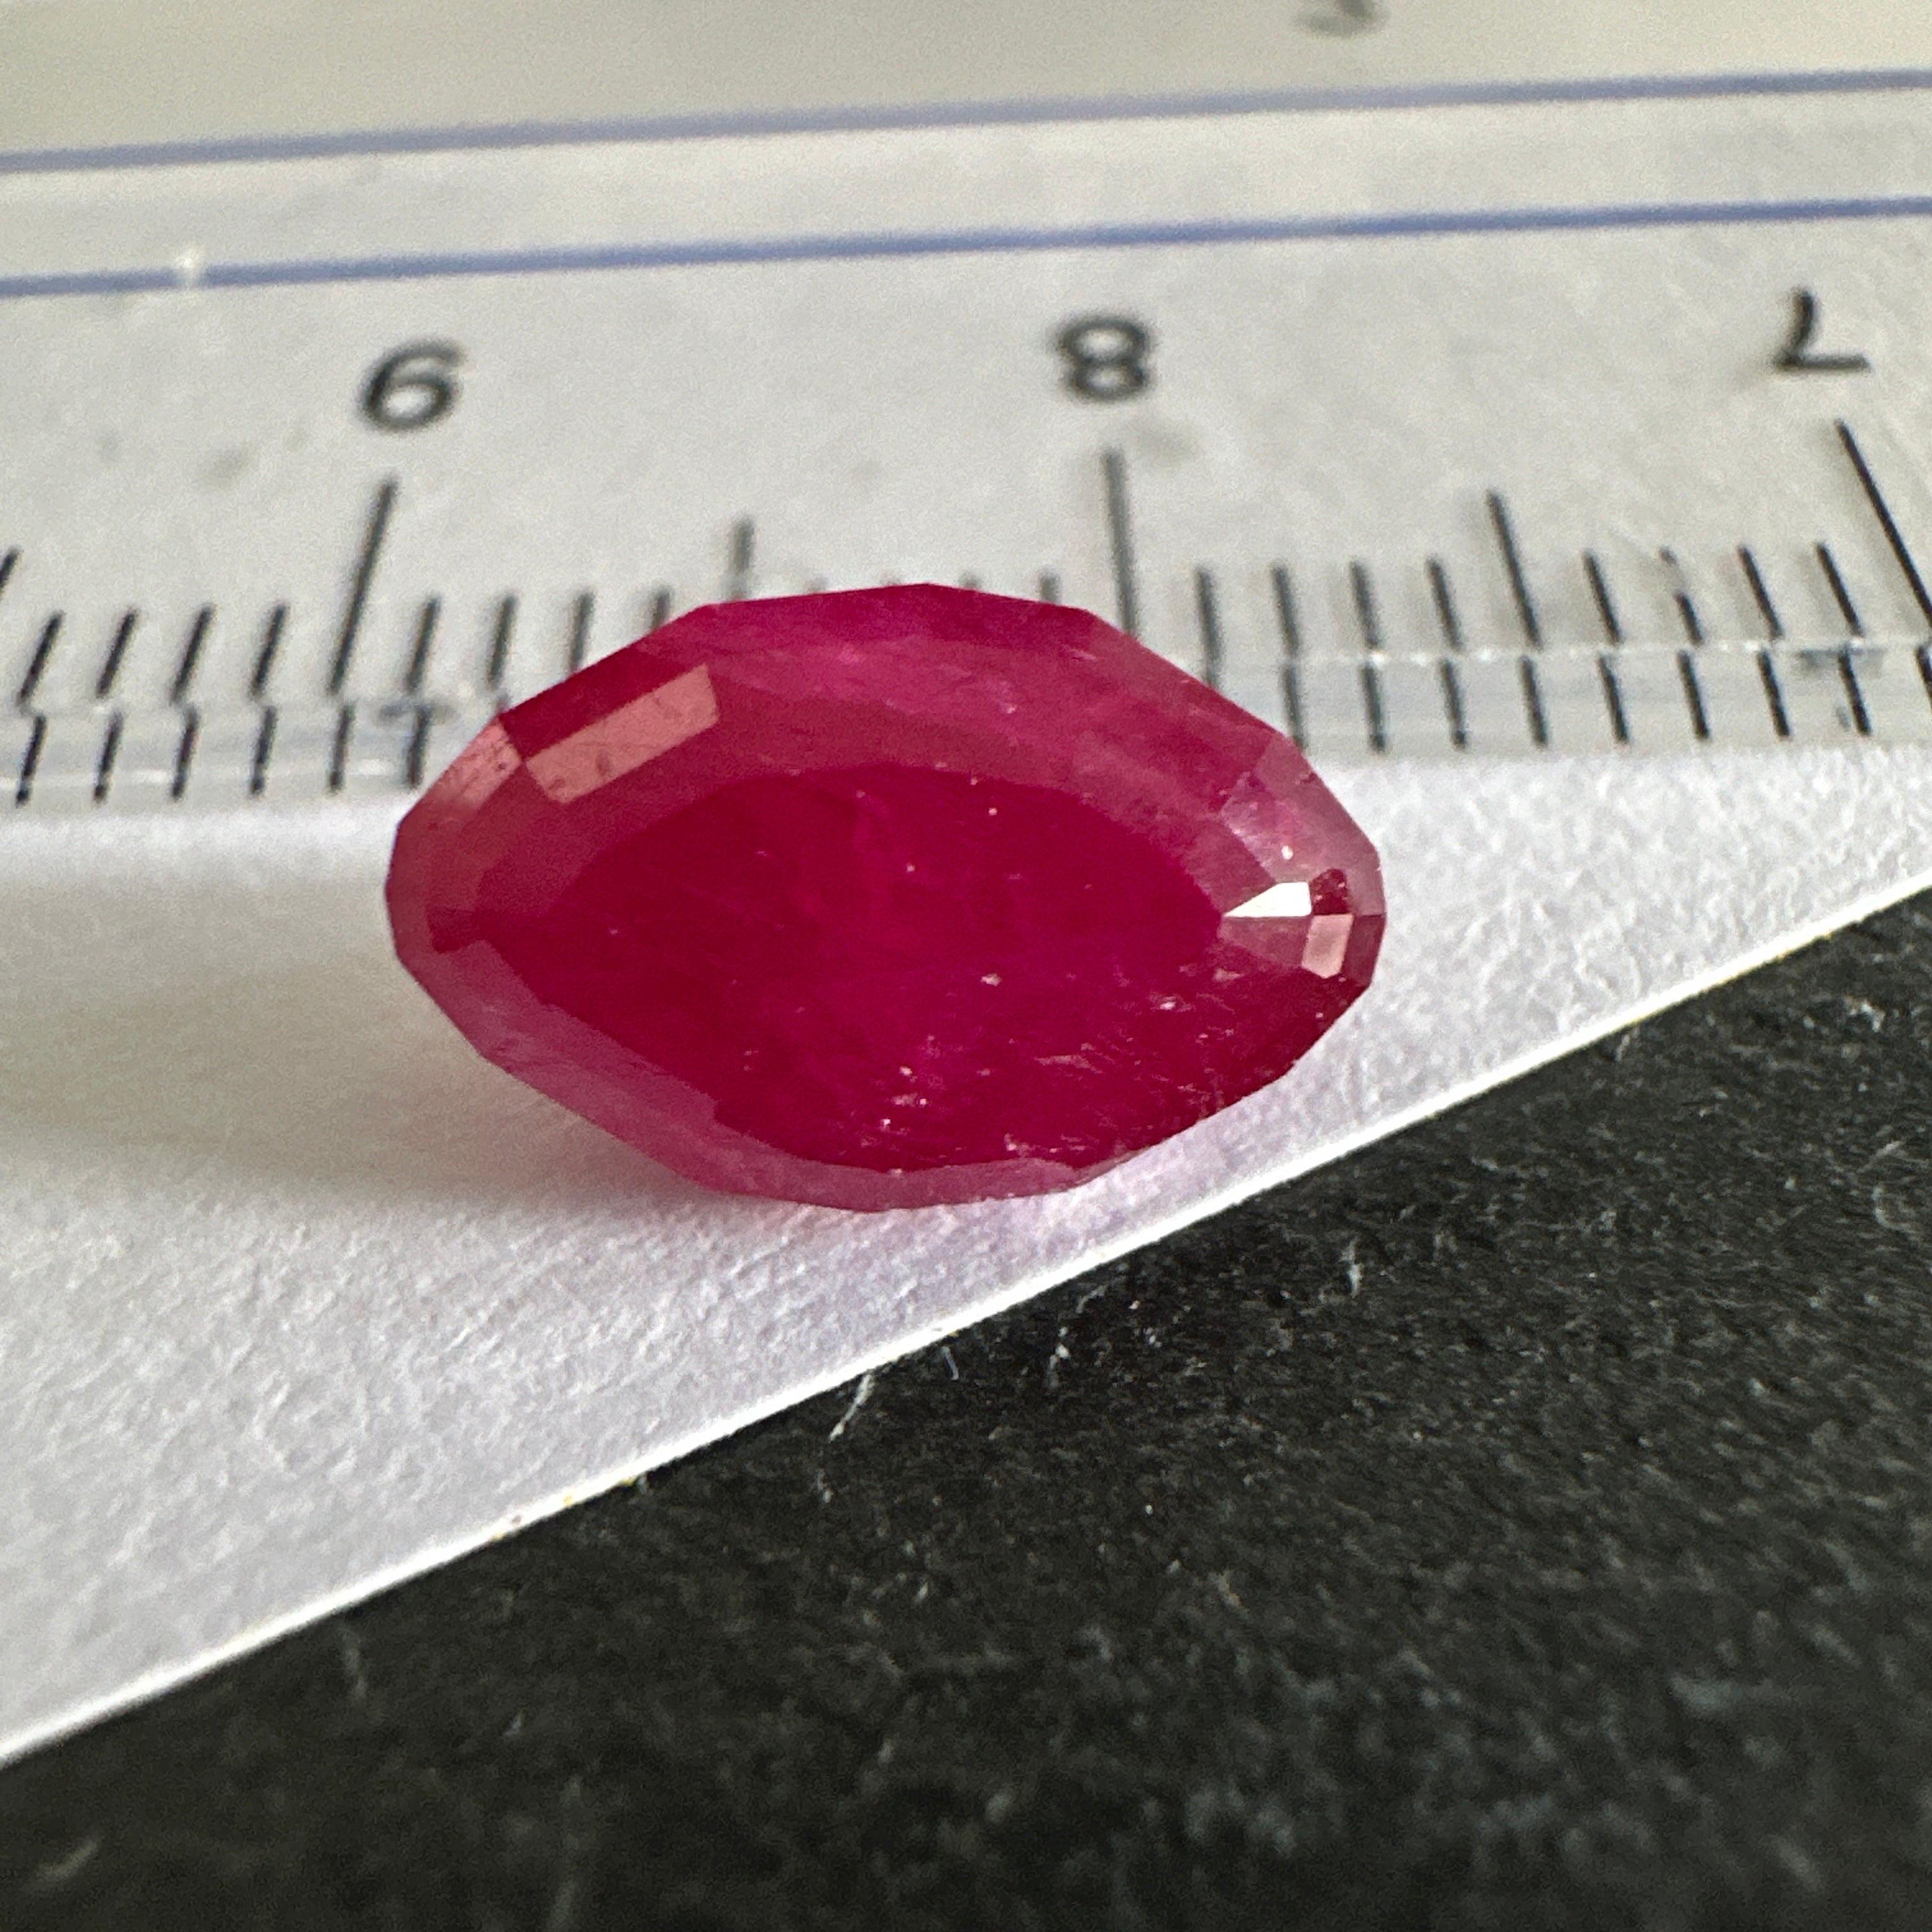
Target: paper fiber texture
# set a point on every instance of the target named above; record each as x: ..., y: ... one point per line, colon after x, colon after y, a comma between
x: 302, y: 1296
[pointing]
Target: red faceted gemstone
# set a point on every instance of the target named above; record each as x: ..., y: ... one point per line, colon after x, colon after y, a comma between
x: 887, y: 898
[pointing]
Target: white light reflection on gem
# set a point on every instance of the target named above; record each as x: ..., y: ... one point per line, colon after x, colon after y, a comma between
x: 1289, y: 900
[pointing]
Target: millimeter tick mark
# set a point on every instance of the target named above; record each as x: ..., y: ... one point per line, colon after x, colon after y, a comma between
x: 265, y: 746
x: 738, y: 561
x: 1452, y: 704
x: 1774, y: 695
x: 1600, y: 590
x: 1372, y: 705
x: 502, y: 628
x: 1291, y: 650
x: 1855, y: 696
x: 117, y: 649
x: 1840, y: 596
x: 30, y: 759
x: 265, y: 658
x: 1774, y: 624
x: 1693, y: 697
x: 37, y: 665
x: 110, y: 748
x: 190, y: 736
x: 190, y: 656
x: 1680, y: 596
x: 425, y: 638
x: 1209, y: 617
x: 1444, y: 600
x: 1613, y: 699
x: 1532, y: 702
x: 338, y: 750
x: 580, y: 614
x: 416, y: 752
x: 1368, y: 618
x: 1285, y: 611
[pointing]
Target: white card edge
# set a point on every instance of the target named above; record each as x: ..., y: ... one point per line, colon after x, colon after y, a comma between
x: 156, y: 1682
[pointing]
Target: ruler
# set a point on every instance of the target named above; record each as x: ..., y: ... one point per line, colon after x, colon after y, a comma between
x: 1409, y: 466
x: 1551, y: 461
x: 1469, y: 697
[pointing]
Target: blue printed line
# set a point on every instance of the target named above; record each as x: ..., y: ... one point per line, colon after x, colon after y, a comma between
x: 1002, y: 112
x: 902, y: 244
x: 89, y: 282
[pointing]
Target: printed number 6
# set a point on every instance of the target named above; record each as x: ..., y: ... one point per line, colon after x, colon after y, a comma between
x: 412, y: 388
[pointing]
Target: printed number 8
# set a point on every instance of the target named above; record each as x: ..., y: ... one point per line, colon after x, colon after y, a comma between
x: 1106, y: 357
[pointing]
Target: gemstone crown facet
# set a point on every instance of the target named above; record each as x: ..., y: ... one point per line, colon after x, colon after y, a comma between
x: 886, y: 898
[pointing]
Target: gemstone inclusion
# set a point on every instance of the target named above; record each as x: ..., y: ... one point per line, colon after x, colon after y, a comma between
x: 886, y: 898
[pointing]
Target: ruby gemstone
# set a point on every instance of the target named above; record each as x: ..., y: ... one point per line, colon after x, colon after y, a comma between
x: 887, y: 898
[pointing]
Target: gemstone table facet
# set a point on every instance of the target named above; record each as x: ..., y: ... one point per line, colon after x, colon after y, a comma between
x: 885, y: 899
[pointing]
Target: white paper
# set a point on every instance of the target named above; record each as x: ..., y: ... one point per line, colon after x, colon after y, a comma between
x: 303, y: 1296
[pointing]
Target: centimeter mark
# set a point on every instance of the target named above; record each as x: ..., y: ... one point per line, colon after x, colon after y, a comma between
x: 1887, y: 523
x: 1526, y: 604
x: 376, y: 528
x: 1120, y: 543
x: 1895, y: 539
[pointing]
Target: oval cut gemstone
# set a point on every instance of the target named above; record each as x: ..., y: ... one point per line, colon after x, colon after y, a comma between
x: 884, y: 899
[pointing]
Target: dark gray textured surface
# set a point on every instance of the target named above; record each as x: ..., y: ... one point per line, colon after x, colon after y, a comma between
x: 1526, y: 1524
